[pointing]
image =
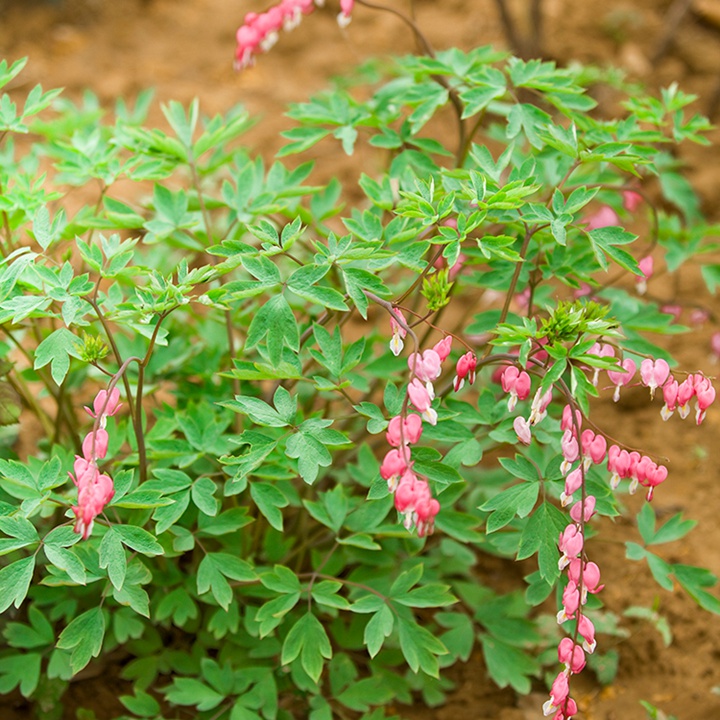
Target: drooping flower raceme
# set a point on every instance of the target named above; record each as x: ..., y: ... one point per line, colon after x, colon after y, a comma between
x: 95, y: 489
x: 414, y: 501
x: 413, y: 496
x: 260, y: 31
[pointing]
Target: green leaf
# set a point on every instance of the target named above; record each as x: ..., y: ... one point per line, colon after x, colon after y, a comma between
x: 21, y: 533
x: 520, y: 467
x: 285, y: 403
x: 302, y: 138
x: 674, y: 529
x: 84, y: 636
x: 56, y: 349
x: 213, y: 571
x: 531, y: 120
x: 646, y: 523
x: 66, y: 560
x: 490, y: 85
x: 190, y: 691
x: 257, y: 410
x: 269, y: 499
x: 142, y: 499
x: 330, y: 347
x: 141, y: 704
x: 541, y: 536
x: 15, y: 582
x: 430, y: 595
x: 326, y: 593
x: 38, y: 634
x: 517, y: 500
x: 357, y: 281
x: 604, y: 241
x: 112, y: 557
x: 379, y: 627
x: 693, y: 580
x: 177, y: 604
x: 438, y: 472
x: 308, y: 639
x: 407, y: 579
x: 660, y: 570
x: 360, y: 540
x: 20, y: 670
x: 508, y: 665
x: 311, y: 455
x: 182, y: 124
x: 419, y: 647
x: 166, y: 516
x: 139, y: 540
x: 275, y: 320
x: 538, y: 589
x: 203, y: 496
x: 281, y: 579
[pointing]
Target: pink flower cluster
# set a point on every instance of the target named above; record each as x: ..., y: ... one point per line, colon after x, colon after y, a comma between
x: 583, y: 578
x: 655, y: 374
x: 639, y: 469
x: 95, y: 489
x: 260, y: 31
x: 677, y: 396
x: 593, y: 448
x: 413, y: 499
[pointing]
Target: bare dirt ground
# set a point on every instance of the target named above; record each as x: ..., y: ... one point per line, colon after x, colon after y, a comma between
x: 184, y: 49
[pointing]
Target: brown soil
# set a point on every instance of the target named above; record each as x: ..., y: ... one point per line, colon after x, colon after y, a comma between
x: 184, y: 49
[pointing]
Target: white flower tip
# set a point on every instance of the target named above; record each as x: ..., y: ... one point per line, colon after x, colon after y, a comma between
x: 430, y: 390
x: 343, y: 20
